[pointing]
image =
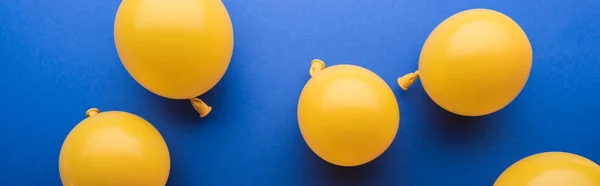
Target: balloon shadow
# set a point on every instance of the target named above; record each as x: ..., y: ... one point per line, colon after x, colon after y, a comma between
x: 449, y: 127
x: 183, y: 111
x: 458, y: 129
x: 180, y: 110
x: 331, y: 174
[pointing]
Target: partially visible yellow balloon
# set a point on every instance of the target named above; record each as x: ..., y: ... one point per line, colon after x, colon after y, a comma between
x: 176, y: 49
x: 114, y: 148
x: 474, y: 63
x: 551, y: 169
x: 347, y: 114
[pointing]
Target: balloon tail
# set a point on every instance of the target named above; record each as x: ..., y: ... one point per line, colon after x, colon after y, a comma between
x: 91, y: 112
x: 315, y: 66
x: 202, y: 108
x: 407, y: 80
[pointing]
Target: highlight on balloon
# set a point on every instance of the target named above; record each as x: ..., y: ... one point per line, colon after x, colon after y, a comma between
x: 173, y: 57
x: 474, y: 63
x: 347, y: 115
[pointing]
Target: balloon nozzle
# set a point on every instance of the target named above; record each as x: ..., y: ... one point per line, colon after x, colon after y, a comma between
x: 91, y: 112
x: 315, y: 66
x: 202, y: 108
x: 407, y: 80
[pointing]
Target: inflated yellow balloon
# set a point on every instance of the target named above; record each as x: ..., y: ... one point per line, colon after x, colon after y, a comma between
x: 176, y: 49
x: 114, y: 148
x: 347, y: 114
x: 474, y: 63
x: 551, y: 169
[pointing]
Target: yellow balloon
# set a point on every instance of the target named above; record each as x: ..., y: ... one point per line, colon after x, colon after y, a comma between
x: 347, y: 114
x: 176, y: 49
x: 114, y: 148
x: 551, y: 169
x: 474, y: 63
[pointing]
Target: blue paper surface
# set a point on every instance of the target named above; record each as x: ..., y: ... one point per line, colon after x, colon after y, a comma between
x: 58, y: 59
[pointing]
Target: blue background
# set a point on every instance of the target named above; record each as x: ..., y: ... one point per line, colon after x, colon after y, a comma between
x: 58, y: 59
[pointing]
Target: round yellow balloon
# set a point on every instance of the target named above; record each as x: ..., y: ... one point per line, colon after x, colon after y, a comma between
x: 176, y: 49
x: 474, y: 63
x: 347, y: 114
x: 114, y: 148
x: 551, y: 169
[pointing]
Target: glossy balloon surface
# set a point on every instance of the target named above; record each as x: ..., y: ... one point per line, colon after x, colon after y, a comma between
x: 348, y: 115
x: 475, y: 62
x: 551, y: 169
x: 114, y: 148
x: 176, y: 49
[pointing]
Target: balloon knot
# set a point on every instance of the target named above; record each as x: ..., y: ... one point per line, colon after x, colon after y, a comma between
x: 315, y: 66
x: 202, y: 108
x: 407, y: 80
